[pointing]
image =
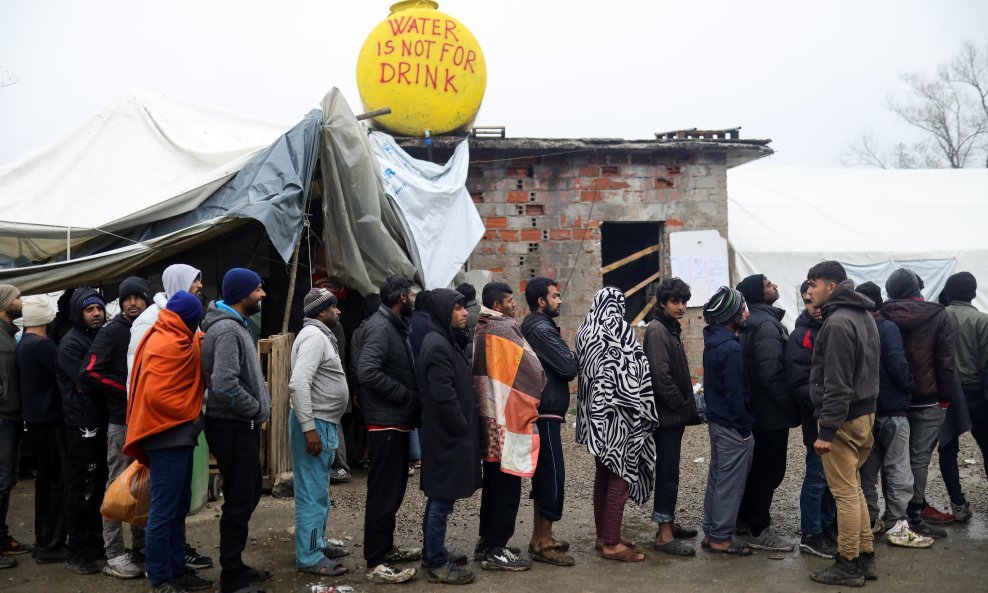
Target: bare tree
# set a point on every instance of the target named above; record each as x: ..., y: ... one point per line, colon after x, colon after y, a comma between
x: 951, y: 109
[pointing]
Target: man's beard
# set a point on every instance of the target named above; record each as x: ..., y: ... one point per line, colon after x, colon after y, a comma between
x: 252, y: 309
x: 406, y: 309
x: 553, y: 313
x: 13, y: 313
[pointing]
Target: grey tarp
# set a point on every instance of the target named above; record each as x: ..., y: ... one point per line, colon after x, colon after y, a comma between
x: 270, y: 188
x: 363, y: 237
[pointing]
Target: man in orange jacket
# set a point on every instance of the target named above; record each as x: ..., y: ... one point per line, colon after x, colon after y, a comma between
x: 164, y: 420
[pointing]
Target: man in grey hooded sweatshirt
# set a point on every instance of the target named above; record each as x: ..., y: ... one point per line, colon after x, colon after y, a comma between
x: 237, y: 402
x: 319, y: 396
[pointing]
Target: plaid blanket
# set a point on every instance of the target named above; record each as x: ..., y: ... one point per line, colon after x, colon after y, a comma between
x: 508, y: 380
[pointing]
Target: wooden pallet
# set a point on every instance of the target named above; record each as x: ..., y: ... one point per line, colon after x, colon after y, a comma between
x: 275, y: 353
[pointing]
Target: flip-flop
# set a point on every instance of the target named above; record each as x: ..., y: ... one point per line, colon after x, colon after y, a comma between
x: 256, y: 575
x: 625, y: 555
x: 552, y: 555
x: 325, y: 568
x: 735, y: 549
x: 674, y: 547
x: 599, y: 546
x: 335, y: 552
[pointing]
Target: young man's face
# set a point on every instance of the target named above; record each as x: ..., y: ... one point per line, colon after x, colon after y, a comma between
x: 552, y: 302
x: 330, y: 317
x: 407, y: 303
x: 93, y: 316
x: 459, y: 317
x: 771, y: 291
x: 506, y: 306
x: 674, y: 309
x: 810, y: 309
x: 196, y: 287
x: 15, y: 309
x: 133, y: 306
x: 820, y: 291
x: 743, y: 319
x: 252, y: 302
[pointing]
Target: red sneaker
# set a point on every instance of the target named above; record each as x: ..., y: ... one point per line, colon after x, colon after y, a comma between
x: 935, y: 517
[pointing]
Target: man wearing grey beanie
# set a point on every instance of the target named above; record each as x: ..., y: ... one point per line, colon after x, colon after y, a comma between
x: 11, y: 427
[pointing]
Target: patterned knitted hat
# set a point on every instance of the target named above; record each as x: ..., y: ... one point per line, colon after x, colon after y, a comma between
x: 724, y: 306
x: 317, y: 301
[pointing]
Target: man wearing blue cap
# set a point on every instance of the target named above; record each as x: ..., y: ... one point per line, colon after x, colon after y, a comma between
x: 237, y: 402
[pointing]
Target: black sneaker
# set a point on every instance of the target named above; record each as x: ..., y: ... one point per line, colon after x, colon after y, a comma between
x: 166, y: 587
x: 190, y: 581
x: 6, y: 562
x: 480, y: 550
x: 866, y: 560
x: 196, y: 560
x: 11, y: 547
x: 82, y: 565
x: 450, y: 574
x: 924, y: 528
x: 842, y: 572
x: 48, y: 556
x: 817, y: 545
x: 452, y: 558
x: 504, y: 559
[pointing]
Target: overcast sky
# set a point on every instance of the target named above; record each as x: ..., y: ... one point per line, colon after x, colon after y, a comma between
x: 810, y: 76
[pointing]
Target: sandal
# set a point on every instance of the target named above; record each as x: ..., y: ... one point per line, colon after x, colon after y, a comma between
x: 335, y: 552
x: 324, y: 568
x: 552, y: 555
x: 257, y: 575
x: 599, y: 546
x: 625, y: 555
x: 735, y: 549
x: 675, y: 547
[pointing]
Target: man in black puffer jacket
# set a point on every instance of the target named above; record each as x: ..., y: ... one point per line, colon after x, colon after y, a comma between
x: 450, y: 430
x: 929, y: 343
x: 104, y: 371
x: 391, y: 410
x: 85, y: 435
x: 559, y: 363
x: 763, y: 341
x: 817, y: 510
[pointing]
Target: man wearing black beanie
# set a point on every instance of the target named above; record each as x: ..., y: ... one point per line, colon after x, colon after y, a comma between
x: 104, y: 372
x: 763, y: 341
x: 970, y: 327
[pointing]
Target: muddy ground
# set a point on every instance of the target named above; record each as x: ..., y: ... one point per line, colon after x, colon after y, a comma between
x: 958, y: 563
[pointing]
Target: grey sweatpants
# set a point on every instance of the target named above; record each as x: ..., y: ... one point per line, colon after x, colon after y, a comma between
x: 924, y: 427
x: 730, y: 460
x: 113, y: 536
x: 890, y: 458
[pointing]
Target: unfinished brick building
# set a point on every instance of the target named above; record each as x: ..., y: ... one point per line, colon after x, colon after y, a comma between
x: 576, y: 209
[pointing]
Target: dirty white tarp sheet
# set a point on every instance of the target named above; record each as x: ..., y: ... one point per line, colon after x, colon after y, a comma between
x: 782, y: 221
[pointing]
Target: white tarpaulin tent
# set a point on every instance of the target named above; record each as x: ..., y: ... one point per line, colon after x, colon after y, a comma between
x: 782, y: 221
x: 142, y: 159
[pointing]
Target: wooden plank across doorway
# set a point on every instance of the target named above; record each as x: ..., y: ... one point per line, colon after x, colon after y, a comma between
x: 627, y: 260
x: 643, y: 284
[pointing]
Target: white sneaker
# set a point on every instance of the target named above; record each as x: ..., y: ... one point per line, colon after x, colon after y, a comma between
x: 122, y: 567
x: 901, y: 535
x: 384, y: 574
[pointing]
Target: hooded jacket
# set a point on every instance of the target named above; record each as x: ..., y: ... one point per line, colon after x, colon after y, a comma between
x: 763, y: 339
x: 104, y: 368
x: 929, y: 344
x: 670, y: 371
x: 895, y: 383
x: 176, y: 277
x: 386, y: 371
x: 451, y: 450
x: 725, y: 386
x: 558, y: 362
x: 235, y: 387
x: 79, y: 406
x: 843, y: 381
x: 799, y: 359
x: 970, y: 329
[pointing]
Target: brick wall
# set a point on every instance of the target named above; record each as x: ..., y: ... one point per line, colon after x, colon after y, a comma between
x: 543, y: 214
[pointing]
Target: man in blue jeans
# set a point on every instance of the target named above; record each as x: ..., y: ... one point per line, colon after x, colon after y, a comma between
x: 319, y: 396
x: 164, y: 420
x: 817, y: 510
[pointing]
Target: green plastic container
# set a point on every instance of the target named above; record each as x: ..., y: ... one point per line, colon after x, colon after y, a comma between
x: 200, y: 476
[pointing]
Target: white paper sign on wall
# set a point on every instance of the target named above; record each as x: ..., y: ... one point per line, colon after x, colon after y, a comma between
x: 699, y: 258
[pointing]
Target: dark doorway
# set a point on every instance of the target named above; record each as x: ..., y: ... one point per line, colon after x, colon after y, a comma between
x: 631, y: 254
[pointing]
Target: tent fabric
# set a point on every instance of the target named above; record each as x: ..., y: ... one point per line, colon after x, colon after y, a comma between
x: 363, y: 237
x: 782, y: 221
x: 440, y: 217
x: 142, y: 159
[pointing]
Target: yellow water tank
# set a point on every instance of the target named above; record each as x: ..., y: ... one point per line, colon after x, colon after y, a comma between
x: 426, y: 66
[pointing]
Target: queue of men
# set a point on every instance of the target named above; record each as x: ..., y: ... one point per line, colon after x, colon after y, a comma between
x: 870, y: 382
